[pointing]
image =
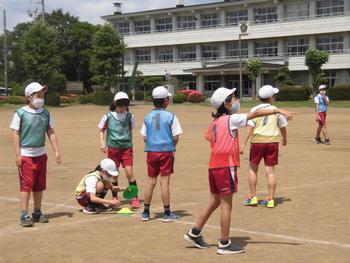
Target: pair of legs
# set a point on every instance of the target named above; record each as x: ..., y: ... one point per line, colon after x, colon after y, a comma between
x: 270, y: 177
x: 322, y: 129
x: 165, y: 190
x: 37, y: 198
x: 225, y: 203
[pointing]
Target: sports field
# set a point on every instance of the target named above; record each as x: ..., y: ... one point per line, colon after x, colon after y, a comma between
x: 309, y: 224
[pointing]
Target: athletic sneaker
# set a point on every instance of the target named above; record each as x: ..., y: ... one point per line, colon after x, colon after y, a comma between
x: 101, y: 208
x: 196, y: 240
x: 251, y: 201
x: 26, y: 221
x: 317, y: 140
x: 171, y: 217
x: 268, y: 203
x: 89, y: 210
x: 145, y: 216
x: 327, y: 142
x: 40, y: 218
x: 228, y: 249
x: 135, y: 203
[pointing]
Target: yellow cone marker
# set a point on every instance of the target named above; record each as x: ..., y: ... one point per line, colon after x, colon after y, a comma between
x: 125, y: 211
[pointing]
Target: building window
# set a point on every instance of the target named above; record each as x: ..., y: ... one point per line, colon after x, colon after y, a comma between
x: 297, y: 47
x: 164, y: 24
x: 233, y: 49
x: 331, y: 77
x: 165, y: 54
x: 297, y: 11
x: 186, y: 22
x: 210, y: 20
x: 143, y: 55
x: 123, y: 28
x: 188, y: 82
x: 266, y: 49
x: 187, y: 53
x: 266, y: 15
x: 142, y: 26
x: 332, y: 44
x: 330, y: 7
x: 211, y: 83
x: 236, y: 16
x: 210, y: 52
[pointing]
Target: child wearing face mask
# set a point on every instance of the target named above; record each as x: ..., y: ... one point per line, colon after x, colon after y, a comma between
x: 321, y: 105
x: 224, y: 160
x: 116, y: 138
x: 93, y: 187
x: 29, y: 125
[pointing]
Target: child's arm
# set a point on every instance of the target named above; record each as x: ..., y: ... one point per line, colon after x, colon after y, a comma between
x: 267, y: 112
x: 98, y: 200
x: 176, y: 139
x: 16, y: 139
x: 103, y: 147
x: 52, y: 137
x: 250, y: 130
x: 284, y: 135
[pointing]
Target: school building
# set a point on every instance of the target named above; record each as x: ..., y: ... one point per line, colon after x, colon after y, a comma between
x: 200, y: 44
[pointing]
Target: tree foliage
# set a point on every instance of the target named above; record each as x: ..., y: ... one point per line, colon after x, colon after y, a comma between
x: 314, y: 60
x: 283, y: 77
x: 254, y: 66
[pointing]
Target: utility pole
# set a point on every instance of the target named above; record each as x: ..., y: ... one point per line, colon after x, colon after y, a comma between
x: 5, y: 55
x: 43, y: 11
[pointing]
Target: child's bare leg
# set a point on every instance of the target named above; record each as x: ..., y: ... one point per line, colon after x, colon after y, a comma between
x: 129, y: 174
x: 24, y: 196
x: 325, y: 132
x: 225, y: 218
x: 164, y: 184
x: 318, y: 130
x: 152, y: 181
x: 37, y: 198
x: 214, y: 202
x: 271, y: 181
x: 252, y: 178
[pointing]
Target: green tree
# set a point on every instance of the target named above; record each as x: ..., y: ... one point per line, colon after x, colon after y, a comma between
x: 39, y: 50
x: 151, y: 82
x: 254, y: 66
x: 283, y: 77
x: 106, y: 60
x: 314, y: 60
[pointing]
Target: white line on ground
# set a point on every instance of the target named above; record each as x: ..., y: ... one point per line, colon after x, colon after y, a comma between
x: 9, y: 199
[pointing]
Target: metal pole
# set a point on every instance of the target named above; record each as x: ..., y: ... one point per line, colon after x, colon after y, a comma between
x: 240, y: 66
x: 43, y: 11
x: 5, y: 55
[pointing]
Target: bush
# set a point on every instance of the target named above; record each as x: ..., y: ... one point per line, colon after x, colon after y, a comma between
x: 340, y: 92
x: 293, y: 93
x: 57, y: 83
x: 179, y: 98
x: 130, y: 95
x: 185, y: 92
x: 139, y: 95
x: 69, y: 99
x: 90, y: 98
x: 52, y: 99
x: 196, y: 97
x: 103, y: 98
x: 16, y: 100
x: 17, y: 89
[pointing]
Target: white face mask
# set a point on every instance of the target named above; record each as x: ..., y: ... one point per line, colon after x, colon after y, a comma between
x: 107, y: 179
x: 37, y: 103
x: 235, y: 107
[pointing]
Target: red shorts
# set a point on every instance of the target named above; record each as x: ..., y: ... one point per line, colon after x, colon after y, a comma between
x: 32, y: 174
x: 223, y: 181
x: 322, y: 118
x: 268, y: 151
x: 83, y: 199
x: 160, y: 163
x: 125, y: 157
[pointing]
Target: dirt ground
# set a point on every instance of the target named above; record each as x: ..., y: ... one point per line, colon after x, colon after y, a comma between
x: 309, y: 224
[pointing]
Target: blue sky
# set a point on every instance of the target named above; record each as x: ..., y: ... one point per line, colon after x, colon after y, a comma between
x: 86, y: 10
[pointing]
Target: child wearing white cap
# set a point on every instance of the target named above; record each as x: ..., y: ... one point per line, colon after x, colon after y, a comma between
x: 321, y: 105
x: 29, y: 125
x: 266, y: 134
x: 160, y: 130
x: 224, y: 161
x: 116, y: 129
x: 93, y: 187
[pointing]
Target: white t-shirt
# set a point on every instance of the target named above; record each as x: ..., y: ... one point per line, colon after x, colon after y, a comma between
x: 282, y: 121
x: 90, y: 184
x: 119, y: 116
x: 238, y: 121
x: 175, y: 128
x: 15, y: 125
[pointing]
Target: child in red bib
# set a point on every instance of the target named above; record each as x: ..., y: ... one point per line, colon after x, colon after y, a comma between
x: 224, y: 160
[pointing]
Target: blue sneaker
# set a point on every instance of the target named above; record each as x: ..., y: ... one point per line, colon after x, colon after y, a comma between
x: 171, y: 217
x: 145, y: 216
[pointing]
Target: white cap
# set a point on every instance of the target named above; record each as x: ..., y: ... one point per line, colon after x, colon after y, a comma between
x: 160, y: 92
x: 34, y: 87
x: 267, y: 91
x: 109, y: 166
x: 121, y: 95
x: 219, y: 96
x: 322, y: 87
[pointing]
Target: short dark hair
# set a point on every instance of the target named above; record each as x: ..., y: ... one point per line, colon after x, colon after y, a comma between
x: 159, y: 103
x: 118, y: 103
x: 222, y: 109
